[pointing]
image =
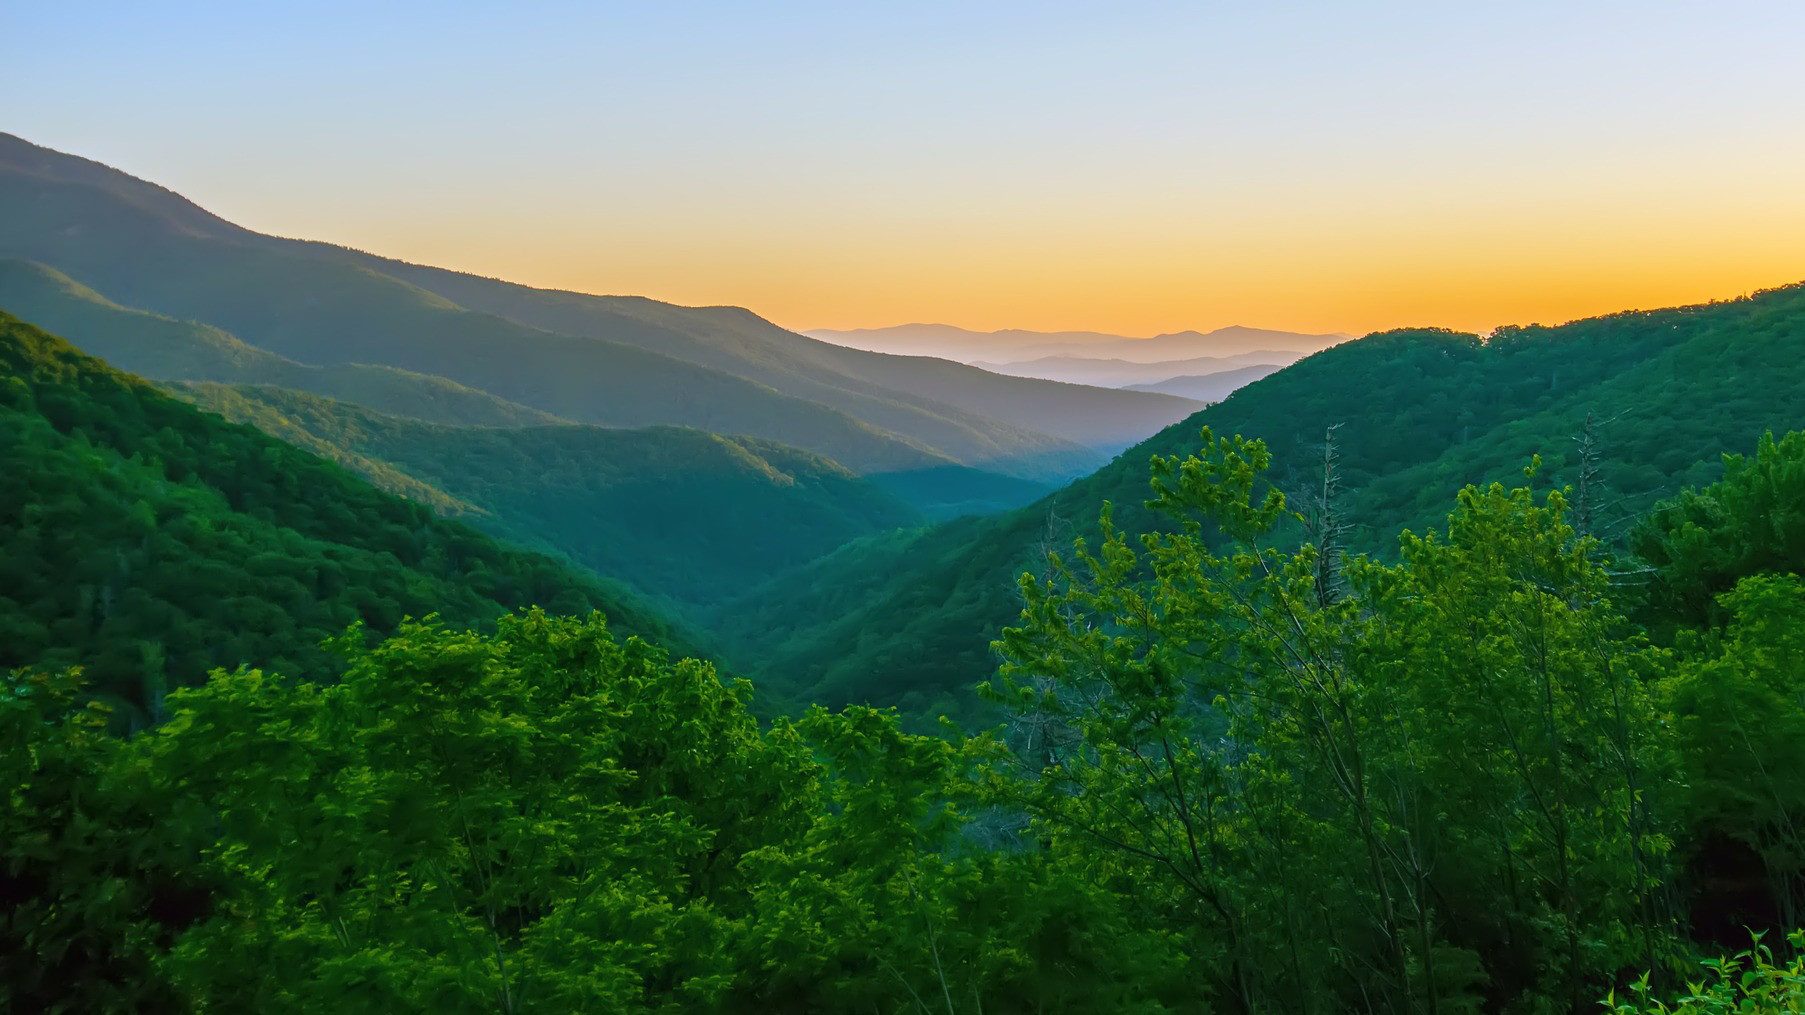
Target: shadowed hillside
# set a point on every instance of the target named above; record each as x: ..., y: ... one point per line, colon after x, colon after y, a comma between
x: 150, y: 542
x: 677, y: 513
x: 163, y: 348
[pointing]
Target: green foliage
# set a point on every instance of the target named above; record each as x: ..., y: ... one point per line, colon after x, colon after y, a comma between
x: 1750, y: 522
x: 1751, y: 982
x: 1429, y: 783
x: 1237, y: 774
x: 149, y: 542
x: 538, y: 819
x: 1741, y: 728
x: 543, y: 814
x: 86, y: 901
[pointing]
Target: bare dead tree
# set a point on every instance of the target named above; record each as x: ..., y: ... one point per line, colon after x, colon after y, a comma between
x: 1585, y: 488
x: 1328, y: 529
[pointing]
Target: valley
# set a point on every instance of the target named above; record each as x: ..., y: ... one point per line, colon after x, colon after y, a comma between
x: 432, y: 579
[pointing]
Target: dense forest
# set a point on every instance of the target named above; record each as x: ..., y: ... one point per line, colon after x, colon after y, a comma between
x: 906, y: 618
x: 1236, y: 776
x: 150, y: 542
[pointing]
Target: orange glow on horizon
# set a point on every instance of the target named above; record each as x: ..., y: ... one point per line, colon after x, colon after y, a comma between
x: 1351, y: 282
x: 1360, y: 255
x: 1135, y: 169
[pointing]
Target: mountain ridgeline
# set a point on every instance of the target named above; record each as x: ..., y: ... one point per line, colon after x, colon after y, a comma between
x: 165, y: 349
x: 612, y: 361
x: 1021, y: 347
x: 688, y: 516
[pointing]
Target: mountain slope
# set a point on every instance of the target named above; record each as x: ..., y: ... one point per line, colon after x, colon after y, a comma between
x: 1211, y: 387
x: 150, y: 542
x: 905, y: 393
x: 148, y: 248
x: 908, y: 618
x: 680, y: 513
x: 163, y: 348
x: 611, y: 361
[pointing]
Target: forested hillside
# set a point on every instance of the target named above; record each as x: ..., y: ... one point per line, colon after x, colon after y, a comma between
x: 1235, y: 778
x: 163, y: 348
x: 908, y: 618
x: 682, y: 514
x: 149, y: 542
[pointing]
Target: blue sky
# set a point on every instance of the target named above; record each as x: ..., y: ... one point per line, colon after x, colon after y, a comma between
x: 1136, y: 167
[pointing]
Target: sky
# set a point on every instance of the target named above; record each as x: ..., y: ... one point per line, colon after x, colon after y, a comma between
x: 1128, y: 167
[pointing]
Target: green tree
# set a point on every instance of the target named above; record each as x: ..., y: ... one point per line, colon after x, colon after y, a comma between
x: 1703, y: 541
x: 1751, y: 982
x: 1430, y: 786
x: 542, y: 819
x: 1739, y: 704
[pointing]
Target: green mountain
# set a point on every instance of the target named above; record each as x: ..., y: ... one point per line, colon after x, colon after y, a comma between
x: 150, y: 542
x: 614, y: 362
x: 908, y: 617
x: 679, y: 513
x: 163, y: 348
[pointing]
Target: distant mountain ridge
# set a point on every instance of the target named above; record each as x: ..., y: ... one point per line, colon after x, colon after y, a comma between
x: 1210, y: 388
x: 1016, y: 345
x: 1121, y: 373
x: 611, y: 361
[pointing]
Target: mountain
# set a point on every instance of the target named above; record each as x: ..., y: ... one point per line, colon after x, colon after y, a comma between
x: 1121, y: 373
x: 1210, y: 387
x: 965, y: 346
x: 150, y: 542
x: 163, y: 348
x: 612, y: 361
x: 675, y: 513
x: 908, y: 617
x: 865, y: 384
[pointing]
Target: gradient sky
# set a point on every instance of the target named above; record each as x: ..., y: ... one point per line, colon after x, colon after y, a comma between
x: 1124, y: 167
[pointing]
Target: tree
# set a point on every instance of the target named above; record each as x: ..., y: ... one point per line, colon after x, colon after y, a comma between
x: 1393, y: 797
x: 544, y: 818
x: 1739, y: 703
